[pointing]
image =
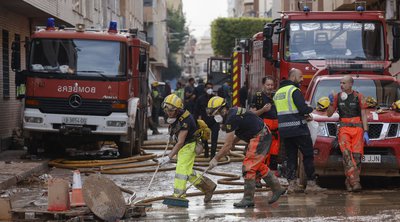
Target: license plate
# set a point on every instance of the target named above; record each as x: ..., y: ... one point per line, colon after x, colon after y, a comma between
x: 371, y: 159
x: 74, y: 120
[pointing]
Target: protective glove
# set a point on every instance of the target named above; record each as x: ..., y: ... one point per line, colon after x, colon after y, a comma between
x: 366, y: 138
x: 163, y: 160
x: 213, y: 163
x: 331, y: 97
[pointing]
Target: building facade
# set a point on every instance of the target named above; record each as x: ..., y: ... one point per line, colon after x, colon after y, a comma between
x: 202, y: 53
x: 155, y: 24
x: 18, y: 19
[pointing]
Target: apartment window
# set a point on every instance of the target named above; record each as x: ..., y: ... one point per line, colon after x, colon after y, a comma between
x: 6, y: 64
x: 147, y: 3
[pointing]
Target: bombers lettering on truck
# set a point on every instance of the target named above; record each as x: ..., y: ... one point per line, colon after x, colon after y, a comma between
x: 76, y: 89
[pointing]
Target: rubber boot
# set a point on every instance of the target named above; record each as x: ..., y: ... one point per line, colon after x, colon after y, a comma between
x: 312, y: 187
x: 355, y: 181
x: 357, y: 186
x: 248, y: 195
x: 277, y: 189
x: 294, y: 187
x: 207, y: 186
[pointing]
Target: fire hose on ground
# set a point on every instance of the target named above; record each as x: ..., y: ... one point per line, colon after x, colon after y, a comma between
x: 134, y: 165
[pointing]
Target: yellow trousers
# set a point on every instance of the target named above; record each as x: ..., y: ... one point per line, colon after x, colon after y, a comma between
x: 184, y: 169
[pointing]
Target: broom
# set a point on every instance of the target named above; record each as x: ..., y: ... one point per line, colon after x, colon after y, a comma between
x: 181, y: 202
x: 133, y: 196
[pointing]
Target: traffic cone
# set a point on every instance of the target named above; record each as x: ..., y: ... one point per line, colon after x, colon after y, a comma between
x: 76, y: 196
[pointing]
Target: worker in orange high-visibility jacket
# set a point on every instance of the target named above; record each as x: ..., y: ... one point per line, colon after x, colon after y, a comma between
x: 263, y: 106
x: 240, y: 124
x: 353, y: 129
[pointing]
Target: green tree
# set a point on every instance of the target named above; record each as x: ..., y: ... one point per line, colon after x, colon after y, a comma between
x: 177, y: 36
x: 224, y: 32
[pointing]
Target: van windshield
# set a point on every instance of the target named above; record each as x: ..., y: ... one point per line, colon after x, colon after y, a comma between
x: 78, y: 57
x: 350, y: 40
x: 384, y: 91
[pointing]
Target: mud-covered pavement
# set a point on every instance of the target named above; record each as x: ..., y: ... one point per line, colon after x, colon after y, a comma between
x: 378, y: 202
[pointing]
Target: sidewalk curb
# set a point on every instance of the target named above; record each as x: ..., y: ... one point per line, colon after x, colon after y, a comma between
x: 15, y: 178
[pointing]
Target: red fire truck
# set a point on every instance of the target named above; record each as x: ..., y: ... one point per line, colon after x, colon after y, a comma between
x: 326, y: 46
x: 84, y: 86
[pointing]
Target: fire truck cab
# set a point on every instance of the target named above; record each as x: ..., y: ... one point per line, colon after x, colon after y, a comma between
x: 304, y: 36
x: 84, y: 86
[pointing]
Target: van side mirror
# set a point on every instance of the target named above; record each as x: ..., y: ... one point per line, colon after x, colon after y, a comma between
x: 267, y: 49
x: 396, y: 42
x: 142, y: 62
x: 16, y: 56
x: 268, y: 31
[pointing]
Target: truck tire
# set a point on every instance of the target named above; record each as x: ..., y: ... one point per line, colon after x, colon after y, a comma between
x: 53, y: 148
x: 132, y: 146
x: 32, y: 145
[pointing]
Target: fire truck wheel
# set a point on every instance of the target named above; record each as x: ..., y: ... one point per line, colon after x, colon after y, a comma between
x: 129, y: 148
x: 32, y: 145
x: 53, y: 148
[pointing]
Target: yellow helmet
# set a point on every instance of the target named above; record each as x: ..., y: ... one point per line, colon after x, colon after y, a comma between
x: 214, y: 104
x: 155, y: 84
x: 371, y: 102
x: 323, y: 103
x: 396, y: 105
x: 172, y: 101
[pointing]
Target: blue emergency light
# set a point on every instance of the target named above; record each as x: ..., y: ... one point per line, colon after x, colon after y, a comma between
x: 50, y: 23
x: 113, y: 26
x: 306, y: 9
x: 360, y: 8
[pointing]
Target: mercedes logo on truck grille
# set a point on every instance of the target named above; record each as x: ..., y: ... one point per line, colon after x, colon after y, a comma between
x: 75, y: 101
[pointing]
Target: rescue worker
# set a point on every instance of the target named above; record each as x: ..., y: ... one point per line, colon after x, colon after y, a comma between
x: 293, y: 114
x: 157, y: 99
x: 183, y: 127
x: 263, y: 106
x: 353, y: 129
x: 243, y: 125
x: 179, y: 91
x: 190, y: 95
x: 201, y: 113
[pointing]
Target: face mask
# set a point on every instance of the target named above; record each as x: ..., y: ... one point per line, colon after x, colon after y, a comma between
x: 218, y: 118
x: 343, y: 96
x: 171, y: 120
x: 209, y: 91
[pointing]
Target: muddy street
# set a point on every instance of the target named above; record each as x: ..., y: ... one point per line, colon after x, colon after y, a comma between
x: 379, y: 201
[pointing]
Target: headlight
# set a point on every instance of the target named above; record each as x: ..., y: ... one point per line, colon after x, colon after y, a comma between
x: 31, y: 119
x: 322, y: 131
x: 116, y: 123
